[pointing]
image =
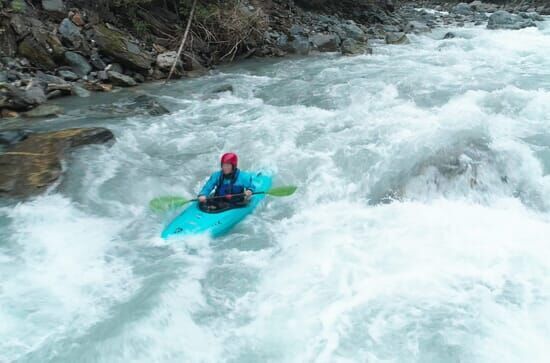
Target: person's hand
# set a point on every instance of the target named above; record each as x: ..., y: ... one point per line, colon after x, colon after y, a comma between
x: 202, y: 199
x: 248, y: 193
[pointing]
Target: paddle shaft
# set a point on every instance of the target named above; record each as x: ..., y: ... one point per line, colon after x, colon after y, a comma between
x: 225, y: 196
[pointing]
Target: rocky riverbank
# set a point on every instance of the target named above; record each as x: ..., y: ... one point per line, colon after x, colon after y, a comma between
x: 55, y: 48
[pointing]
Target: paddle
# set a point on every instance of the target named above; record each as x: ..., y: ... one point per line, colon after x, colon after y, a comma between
x: 165, y: 203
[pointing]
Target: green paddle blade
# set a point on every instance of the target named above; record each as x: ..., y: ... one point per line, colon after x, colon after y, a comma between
x: 282, y: 191
x: 162, y: 204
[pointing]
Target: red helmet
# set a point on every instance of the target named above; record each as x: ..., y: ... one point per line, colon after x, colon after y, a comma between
x: 230, y: 158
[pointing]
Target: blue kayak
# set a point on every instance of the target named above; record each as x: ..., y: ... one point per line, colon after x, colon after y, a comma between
x: 195, y: 221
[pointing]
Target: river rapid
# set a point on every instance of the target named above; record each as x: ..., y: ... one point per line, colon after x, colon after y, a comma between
x: 420, y: 231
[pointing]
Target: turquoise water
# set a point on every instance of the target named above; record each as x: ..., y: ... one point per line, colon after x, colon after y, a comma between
x: 419, y: 232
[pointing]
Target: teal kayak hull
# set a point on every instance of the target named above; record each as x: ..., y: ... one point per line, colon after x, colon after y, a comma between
x: 193, y: 221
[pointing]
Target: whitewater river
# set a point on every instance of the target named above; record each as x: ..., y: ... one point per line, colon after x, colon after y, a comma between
x: 420, y: 231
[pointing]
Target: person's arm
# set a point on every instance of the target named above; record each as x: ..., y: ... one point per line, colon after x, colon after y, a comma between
x: 248, y: 183
x: 209, y: 186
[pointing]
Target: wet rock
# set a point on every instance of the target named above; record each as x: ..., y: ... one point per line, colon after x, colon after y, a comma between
x: 115, y: 67
x: 224, y: 88
x: 119, y: 79
x: 33, y: 164
x: 70, y: 34
x: 102, y: 75
x: 532, y: 15
x: 14, y: 98
x: 116, y: 45
x: 504, y: 20
x: 150, y: 105
x: 449, y: 35
x: 43, y: 111
x: 416, y: 27
x: 138, y: 77
x: 3, y: 76
x: 8, y: 39
x: 397, y: 38
x: 35, y: 52
x: 53, y: 5
x: 351, y: 30
x: 351, y: 47
x: 97, y: 62
x: 300, y: 46
x: 80, y: 91
x: 462, y: 9
x: 68, y: 75
x: 11, y: 137
x: 78, y: 63
x: 166, y: 59
x: 5, y: 113
x: 326, y: 42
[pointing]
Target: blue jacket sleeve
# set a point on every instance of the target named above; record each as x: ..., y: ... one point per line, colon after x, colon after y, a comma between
x: 247, y: 181
x: 210, y: 184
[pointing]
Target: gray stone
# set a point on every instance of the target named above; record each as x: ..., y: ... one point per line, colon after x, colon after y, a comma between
x: 102, y: 75
x: 297, y: 30
x: 351, y: 30
x: 449, y: 35
x: 68, y: 75
x: 326, y: 42
x: 504, y: 20
x: 223, y: 88
x: 53, y: 5
x: 119, y: 79
x: 138, y: 77
x: 397, y: 38
x: 78, y: 63
x: 43, y: 111
x: 80, y: 91
x: 300, y: 46
x: 462, y: 9
x: 150, y: 105
x: 3, y: 76
x: 416, y: 27
x: 70, y: 34
x: 351, y: 46
x: 115, y: 67
x: 97, y: 62
x: 166, y: 60
x: 11, y: 137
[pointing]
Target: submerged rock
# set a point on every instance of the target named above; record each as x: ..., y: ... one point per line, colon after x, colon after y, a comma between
x: 33, y: 164
x: 416, y: 27
x: 11, y: 137
x: 504, y: 20
x: 43, y: 111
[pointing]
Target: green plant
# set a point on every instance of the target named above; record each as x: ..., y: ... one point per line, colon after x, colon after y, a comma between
x: 18, y: 6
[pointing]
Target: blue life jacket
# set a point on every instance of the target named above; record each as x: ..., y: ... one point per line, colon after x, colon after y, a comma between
x: 228, y: 188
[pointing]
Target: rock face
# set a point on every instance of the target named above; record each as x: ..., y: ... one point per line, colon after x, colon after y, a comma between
x: 33, y: 164
x: 115, y: 45
x: 504, y: 20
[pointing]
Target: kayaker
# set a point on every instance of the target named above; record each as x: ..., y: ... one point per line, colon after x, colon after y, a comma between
x: 228, y: 182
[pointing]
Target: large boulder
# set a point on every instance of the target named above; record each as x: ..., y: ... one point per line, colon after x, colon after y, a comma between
x: 300, y: 45
x: 352, y: 47
x: 36, y: 53
x: 504, y: 20
x: 353, y: 31
x: 70, y: 34
x: 78, y: 63
x: 326, y: 42
x: 33, y: 164
x: 116, y: 45
x: 14, y: 98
